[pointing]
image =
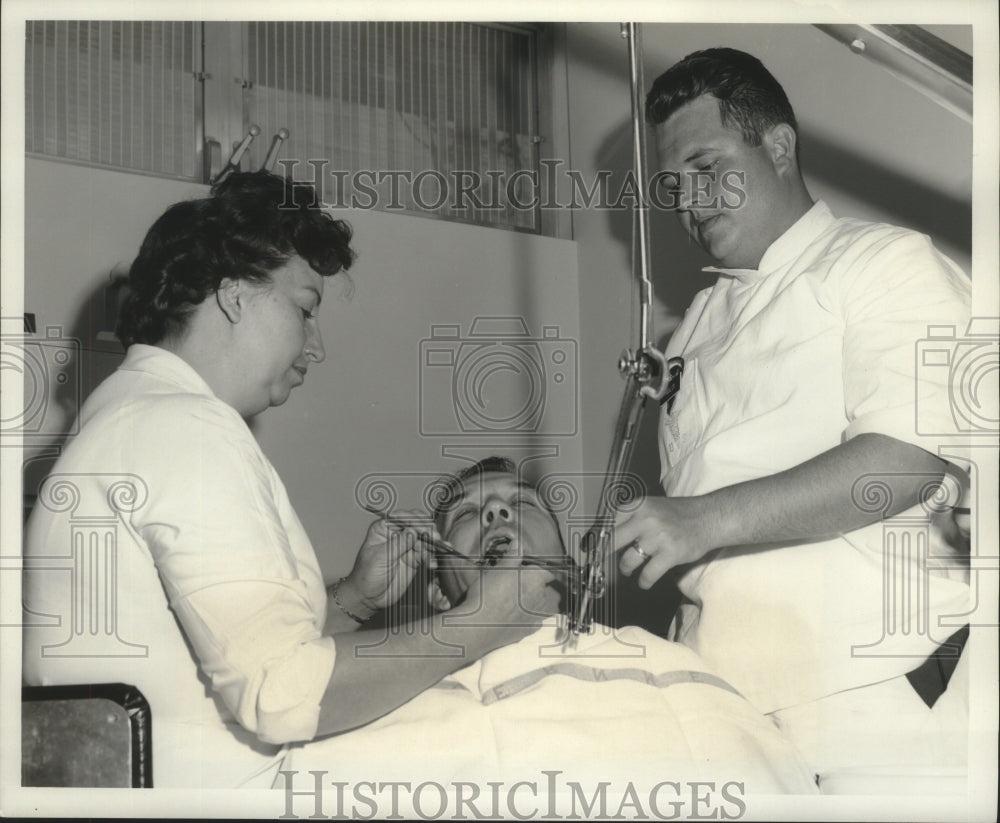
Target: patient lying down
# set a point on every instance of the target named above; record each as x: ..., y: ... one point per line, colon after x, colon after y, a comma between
x: 623, y: 707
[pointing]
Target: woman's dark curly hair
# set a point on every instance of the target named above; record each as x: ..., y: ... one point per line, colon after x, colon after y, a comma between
x: 749, y: 96
x: 250, y: 224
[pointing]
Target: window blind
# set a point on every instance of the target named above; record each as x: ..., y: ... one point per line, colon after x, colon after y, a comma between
x: 443, y: 111
x: 115, y: 93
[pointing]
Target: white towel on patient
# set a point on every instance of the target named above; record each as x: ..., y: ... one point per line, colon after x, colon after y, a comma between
x: 624, y: 706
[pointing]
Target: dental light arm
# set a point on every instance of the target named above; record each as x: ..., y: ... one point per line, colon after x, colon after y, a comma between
x: 647, y: 375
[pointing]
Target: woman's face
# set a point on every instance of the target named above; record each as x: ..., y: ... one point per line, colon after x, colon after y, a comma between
x: 280, y: 334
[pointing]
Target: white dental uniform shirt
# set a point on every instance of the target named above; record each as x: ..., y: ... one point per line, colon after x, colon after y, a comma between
x: 821, y: 343
x: 163, y: 552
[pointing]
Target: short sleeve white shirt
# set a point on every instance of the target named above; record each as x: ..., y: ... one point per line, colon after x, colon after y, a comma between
x: 781, y: 363
x: 179, y: 567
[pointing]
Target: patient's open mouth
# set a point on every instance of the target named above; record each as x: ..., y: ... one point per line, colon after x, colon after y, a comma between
x: 496, y: 547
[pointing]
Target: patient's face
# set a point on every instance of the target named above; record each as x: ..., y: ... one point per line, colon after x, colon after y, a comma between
x: 495, y: 521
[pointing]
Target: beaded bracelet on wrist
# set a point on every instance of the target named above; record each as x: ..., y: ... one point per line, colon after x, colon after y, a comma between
x: 334, y: 591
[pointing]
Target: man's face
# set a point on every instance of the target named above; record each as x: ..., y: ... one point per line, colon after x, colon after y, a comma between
x: 728, y: 194
x: 495, y: 521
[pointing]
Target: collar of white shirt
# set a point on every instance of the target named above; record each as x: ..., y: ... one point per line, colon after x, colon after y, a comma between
x: 788, y: 246
x: 165, y: 365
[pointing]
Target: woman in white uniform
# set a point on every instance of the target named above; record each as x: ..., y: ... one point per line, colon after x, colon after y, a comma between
x: 180, y: 565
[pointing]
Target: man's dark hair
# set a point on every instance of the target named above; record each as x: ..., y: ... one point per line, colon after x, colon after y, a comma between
x: 250, y: 224
x: 749, y: 96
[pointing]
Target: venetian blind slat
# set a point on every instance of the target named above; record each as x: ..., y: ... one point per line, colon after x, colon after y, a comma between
x: 413, y: 105
x: 113, y: 93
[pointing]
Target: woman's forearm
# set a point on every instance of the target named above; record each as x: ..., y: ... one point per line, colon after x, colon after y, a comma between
x: 377, y: 670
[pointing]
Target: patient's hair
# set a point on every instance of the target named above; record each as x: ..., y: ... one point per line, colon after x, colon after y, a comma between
x: 748, y: 94
x: 250, y: 224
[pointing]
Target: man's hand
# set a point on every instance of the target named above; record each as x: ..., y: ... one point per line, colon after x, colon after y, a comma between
x: 660, y: 533
x: 812, y: 501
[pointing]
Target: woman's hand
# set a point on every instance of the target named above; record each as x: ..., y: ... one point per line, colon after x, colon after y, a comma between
x: 510, y: 600
x: 388, y: 559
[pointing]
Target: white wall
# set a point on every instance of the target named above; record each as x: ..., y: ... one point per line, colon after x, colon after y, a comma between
x: 359, y: 412
x: 375, y: 408
x: 81, y: 224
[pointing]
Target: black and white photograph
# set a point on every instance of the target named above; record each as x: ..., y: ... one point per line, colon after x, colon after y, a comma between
x: 500, y: 412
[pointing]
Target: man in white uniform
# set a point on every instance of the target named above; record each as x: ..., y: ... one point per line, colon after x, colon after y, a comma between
x: 791, y: 462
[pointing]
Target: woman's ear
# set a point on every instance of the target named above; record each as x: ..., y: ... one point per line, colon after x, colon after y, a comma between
x: 230, y: 297
x: 436, y: 597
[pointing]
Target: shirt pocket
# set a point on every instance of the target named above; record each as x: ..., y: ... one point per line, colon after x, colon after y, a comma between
x: 681, y: 426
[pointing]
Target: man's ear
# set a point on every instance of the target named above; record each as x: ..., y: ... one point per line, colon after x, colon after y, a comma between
x: 781, y: 141
x: 436, y: 597
x: 231, y: 297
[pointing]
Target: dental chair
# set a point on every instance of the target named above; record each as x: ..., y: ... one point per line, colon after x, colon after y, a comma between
x: 87, y: 736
